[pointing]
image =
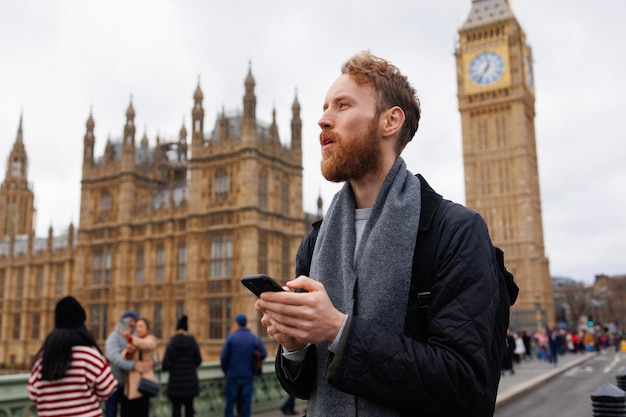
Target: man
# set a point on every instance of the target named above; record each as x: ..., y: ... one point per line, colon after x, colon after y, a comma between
x: 555, y: 341
x: 116, y: 342
x: 346, y: 344
x: 237, y: 359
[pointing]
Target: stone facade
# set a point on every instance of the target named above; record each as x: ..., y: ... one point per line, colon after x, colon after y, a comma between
x: 164, y: 230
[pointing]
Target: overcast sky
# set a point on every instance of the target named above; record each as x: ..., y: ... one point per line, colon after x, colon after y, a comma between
x: 60, y: 59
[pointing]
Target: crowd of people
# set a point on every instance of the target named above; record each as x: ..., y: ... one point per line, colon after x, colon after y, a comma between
x: 553, y: 341
x: 72, y: 376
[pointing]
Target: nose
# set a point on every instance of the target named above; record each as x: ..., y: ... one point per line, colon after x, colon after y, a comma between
x: 325, y: 122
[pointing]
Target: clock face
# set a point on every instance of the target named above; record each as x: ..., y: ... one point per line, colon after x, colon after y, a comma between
x: 486, y: 68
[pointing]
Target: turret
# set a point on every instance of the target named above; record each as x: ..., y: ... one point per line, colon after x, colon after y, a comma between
x: 197, y: 118
x: 128, y: 147
x: 249, y: 109
x: 89, y: 141
x: 274, y: 138
x: 129, y: 128
x: 296, y: 126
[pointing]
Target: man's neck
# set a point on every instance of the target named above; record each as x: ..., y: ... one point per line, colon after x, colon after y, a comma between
x: 366, y: 188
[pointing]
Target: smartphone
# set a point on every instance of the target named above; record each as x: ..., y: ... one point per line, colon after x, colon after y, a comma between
x: 125, y: 323
x: 259, y: 283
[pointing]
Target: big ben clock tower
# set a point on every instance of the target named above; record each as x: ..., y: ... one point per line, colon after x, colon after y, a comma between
x: 497, y: 106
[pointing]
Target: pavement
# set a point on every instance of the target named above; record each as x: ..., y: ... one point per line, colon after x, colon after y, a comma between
x: 528, y: 376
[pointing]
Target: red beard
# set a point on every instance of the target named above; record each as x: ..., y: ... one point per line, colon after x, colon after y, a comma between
x: 354, y: 158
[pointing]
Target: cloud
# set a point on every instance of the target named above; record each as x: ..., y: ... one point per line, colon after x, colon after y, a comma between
x: 66, y: 59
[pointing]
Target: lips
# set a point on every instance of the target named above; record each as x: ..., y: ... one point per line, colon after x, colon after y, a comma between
x: 326, y: 141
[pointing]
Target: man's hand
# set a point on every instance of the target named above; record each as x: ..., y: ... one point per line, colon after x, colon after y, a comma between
x: 295, y: 319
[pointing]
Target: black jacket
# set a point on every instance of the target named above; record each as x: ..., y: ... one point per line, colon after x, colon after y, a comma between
x: 449, y: 370
x: 182, y: 357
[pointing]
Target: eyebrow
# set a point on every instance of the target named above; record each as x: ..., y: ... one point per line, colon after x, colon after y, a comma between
x: 339, y: 98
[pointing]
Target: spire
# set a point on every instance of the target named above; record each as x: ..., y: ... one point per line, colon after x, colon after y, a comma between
x: 18, y: 161
x: 197, y: 118
x: 296, y: 125
x: 16, y: 197
x: 197, y: 95
x: 183, y: 132
x: 129, y: 128
x: 487, y: 11
x: 223, y: 126
x: 249, y: 108
x: 19, y: 130
x: 274, y: 138
x: 89, y: 139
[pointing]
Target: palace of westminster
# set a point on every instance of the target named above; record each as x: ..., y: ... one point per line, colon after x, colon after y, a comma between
x: 169, y: 229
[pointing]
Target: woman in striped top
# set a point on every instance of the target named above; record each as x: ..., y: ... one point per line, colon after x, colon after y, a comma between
x: 70, y: 376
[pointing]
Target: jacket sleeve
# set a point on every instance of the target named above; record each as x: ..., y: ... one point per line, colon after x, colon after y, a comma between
x: 114, y: 354
x: 165, y: 365
x: 447, y: 373
x: 197, y: 357
x: 297, y: 378
x: 105, y: 384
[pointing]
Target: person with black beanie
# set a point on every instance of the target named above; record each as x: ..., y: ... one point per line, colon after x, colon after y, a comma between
x: 182, y: 357
x: 70, y: 375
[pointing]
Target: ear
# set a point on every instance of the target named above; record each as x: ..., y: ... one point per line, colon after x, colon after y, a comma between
x: 392, y: 120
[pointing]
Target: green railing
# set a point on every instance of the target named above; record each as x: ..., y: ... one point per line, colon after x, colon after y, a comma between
x: 268, y: 394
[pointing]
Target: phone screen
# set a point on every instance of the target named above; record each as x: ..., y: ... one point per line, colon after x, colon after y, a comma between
x: 125, y: 323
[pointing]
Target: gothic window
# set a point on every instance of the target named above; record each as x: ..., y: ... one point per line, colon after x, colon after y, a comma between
x: 101, y: 274
x: 219, y: 313
x: 284, y: 198
x: 98, y: 315
x: 16, y: 168
x: 181, y: 273
x: 19, y: 287
x: 137, y: 309
x: 17, y: 320
x: 221, y: 255
x: 139, y: 266
x: 58, y: 281
x: 157, y: 327
x: 105, y: 201
x: 36, y: 326
x: 180, y: 308
x: 262, y: 253
x: 221, y: 184
x: 2, y: 283
x: 38, y: 283
x: 263, y: 191
x: 286, y: 258
x: 160, y: 263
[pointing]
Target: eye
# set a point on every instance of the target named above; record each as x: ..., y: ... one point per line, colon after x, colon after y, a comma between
x: 343, y: 105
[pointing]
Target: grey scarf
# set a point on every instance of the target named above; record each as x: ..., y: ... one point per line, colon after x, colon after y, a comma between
x: 377, y: 287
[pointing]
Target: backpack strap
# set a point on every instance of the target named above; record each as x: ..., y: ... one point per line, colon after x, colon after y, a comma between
x: 423, y: 269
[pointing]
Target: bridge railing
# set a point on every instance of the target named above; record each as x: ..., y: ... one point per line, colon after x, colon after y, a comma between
x: 268, y: 394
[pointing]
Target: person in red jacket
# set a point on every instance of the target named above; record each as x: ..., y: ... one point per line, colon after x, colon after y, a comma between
x: 70, y: 376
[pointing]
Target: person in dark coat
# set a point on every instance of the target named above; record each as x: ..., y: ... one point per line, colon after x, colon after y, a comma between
x: 348, y: 343
x: 509, y: 351
x: 182, y: 357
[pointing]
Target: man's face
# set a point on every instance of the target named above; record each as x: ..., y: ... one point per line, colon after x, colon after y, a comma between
x: 349, y: 138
